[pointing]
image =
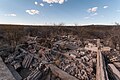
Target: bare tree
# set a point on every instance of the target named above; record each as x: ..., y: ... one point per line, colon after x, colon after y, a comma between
x: 61, y: 24
x: 76, y: 24
x: 116, y: 23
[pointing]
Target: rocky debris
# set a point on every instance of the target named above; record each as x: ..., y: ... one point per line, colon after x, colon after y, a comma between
x: 38, y: 73
x: 65, y: 53
x: 27, y: 60
x: 112, y: 55
x: 112, y: 59
x: 81, y: 68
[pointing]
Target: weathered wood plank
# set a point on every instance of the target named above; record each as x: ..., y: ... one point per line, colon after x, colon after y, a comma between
x: 101, y: 73
x: 114, y: 71
x: 117, y: 65
x: 14, y: 72
x: 5, y: 74
x: 63, y: 75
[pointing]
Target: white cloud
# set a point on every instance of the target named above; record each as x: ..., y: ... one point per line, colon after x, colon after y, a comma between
x: 36, y: 3
x: 54, y: 1
x: 105, y: 7
x: 13, y: 15
x: 94, y: 14
x: 32, y: 12
x: 50, y: 5
x: 91, y: 16
x: 66, y: 0
x: 94, y: 9
x: 41, y: 4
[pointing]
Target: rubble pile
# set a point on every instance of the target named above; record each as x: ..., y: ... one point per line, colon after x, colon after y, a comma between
x: 67, y: 53
x: 112, y: 58
x: 81, y: 66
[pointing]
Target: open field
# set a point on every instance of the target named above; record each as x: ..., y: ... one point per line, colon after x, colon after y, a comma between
x: 12, y: 33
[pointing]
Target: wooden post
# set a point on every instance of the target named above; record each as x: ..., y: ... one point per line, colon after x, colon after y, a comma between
x: 101, y: 73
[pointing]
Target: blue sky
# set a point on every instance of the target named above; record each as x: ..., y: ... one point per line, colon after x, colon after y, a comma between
x: 59, y: 11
